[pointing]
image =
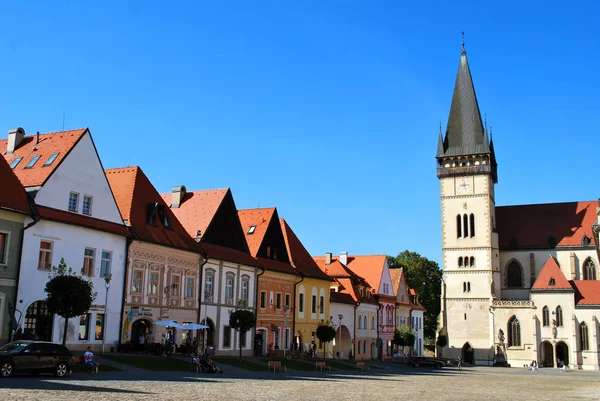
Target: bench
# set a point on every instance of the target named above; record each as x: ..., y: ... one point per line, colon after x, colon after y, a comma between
x: 276, y: 365
x: 322, y: 365
x: 361, y: 366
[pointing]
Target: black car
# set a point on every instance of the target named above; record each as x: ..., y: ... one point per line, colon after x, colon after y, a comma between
x: 418, y: 361
x: 35, y: 357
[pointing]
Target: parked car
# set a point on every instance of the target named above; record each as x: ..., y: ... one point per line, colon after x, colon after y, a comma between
x: 35, y: 357
x: 417, y: 361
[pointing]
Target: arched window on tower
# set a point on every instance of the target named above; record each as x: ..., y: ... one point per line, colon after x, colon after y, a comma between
x: 545, y: 317
x: 589, y: 269
x: 460, y: 261
x: 514, y: 275
x: 458, y: 226
x: 465, y: 226
x: 472, y: 261
x: 468, y: 286
x: 472, y: 218
x: 464, y: 286
x: 583, y: 336
x: 514, y: 332
x: 559, y: 317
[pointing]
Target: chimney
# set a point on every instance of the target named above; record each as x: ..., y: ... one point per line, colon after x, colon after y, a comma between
x: 37, y: 137
x: 344, y: 258
x: 15, y: 137
x: 328, y: 258
x: 177, y: 196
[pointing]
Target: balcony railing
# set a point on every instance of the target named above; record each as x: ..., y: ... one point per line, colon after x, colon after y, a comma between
x: 463, y: 170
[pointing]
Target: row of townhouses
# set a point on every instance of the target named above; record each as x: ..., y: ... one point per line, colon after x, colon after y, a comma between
x: 186, y: 256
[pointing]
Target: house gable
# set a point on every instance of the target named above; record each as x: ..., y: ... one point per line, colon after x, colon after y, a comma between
x: 225, y: 228
x: 263, y: 233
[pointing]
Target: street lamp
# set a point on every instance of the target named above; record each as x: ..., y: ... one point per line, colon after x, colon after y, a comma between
x: 285, y: 337
x: 340, y: 352
x: 104, y: 331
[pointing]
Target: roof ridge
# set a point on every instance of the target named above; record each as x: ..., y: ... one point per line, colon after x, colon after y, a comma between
x: 551, y: 203
x: 198, y: 190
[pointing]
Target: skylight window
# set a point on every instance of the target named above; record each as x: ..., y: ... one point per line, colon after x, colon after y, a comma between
x: 15, y: 162
x: 51, y: 159
x: 33, y: 161
x: 251, y: 229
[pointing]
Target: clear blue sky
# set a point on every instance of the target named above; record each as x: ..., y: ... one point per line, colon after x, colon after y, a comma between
x: 328, y: 110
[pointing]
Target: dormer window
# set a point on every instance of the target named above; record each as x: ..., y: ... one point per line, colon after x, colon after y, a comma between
x: 585, y: 240
x: 164, y: 217
x: 15, y: 162
x: 552, y: 282
x: 268, y: 251
x: 151, y: 214
x: 251, y: 230
x: 33, y: 161
x: 51, y: 159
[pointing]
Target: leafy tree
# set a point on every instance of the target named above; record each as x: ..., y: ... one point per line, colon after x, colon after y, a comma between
x: 68, y: 294
x: 242, y: 320
x: 425, y: 276
x: 442, y: 341
x: 403, y: 336
x: 325, y: 333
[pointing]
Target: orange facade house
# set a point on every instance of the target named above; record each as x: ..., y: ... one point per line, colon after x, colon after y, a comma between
x: 275, y: 293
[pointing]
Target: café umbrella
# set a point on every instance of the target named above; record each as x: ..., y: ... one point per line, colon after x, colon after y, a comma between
x: 194, y: 326
x: 169, y: 323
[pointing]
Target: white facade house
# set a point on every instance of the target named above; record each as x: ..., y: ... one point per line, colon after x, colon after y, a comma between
x: 417, y: 326
x: 342, y: 310
x: 78, y: 221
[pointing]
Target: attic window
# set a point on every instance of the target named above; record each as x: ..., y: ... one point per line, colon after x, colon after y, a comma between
x: 15, y: 162
x: 164, y: 217
x: 151, y: 214
x: 33, y: 161
x: 552, y: 282
x: 51, y: 159
x: 251, y: 229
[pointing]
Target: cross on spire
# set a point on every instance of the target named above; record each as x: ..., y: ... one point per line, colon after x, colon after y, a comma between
x: 463, y: 41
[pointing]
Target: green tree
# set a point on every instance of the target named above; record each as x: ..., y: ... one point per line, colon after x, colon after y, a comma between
x: 325, y: 333
x: 242, y: 320
x: 403, y: 336
x: 442, y: 341
x: 425, y: 276
x: 68, y: 294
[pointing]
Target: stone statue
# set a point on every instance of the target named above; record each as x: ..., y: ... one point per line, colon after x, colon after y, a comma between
x: 501, y: 337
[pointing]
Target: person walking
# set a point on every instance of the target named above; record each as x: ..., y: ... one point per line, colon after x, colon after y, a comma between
x: 534, y: 366
x: 460, y: 361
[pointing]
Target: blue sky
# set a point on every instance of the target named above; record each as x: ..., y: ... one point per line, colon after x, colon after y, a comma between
x: 328, y: 110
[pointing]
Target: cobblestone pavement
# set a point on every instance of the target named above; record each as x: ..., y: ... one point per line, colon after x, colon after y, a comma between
x: 396, y: 382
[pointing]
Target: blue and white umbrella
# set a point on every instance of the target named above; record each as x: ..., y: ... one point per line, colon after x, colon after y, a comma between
x: 194, y: 326
x: 169, y: 323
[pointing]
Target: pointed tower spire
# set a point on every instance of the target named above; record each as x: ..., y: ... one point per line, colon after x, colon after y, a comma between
x: 440, y: 149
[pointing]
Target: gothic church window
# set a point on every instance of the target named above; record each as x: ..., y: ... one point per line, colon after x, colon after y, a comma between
x: 515, y: 275
x: 472, y: 219
x: 559, y: 316
x: 514, y: 332
x: 589, y: 269
x: 458, y: 226
x: 583, y: 337
x: 545, y: 317
x: 465, y: 226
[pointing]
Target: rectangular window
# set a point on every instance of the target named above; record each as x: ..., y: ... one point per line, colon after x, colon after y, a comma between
x: 245, y: 290
x: 15, y: 162
x: 153, y: 290
x: 322, y: 305
x: 313, y: 307
x: 45, y: 259
x: 189, y: 287
x: 287, y: 300
x: 208, y: 285
x: 3, y: 247
x: 300, y: 302
x: 229, y: 288
x: 73, y: 202
x: 89, y: 257
x: 105, y: 264
x: 268, y: 252
x: 137, y: 282
x: 263, y: 299
x: 84, y: 327
x: 278, y: 301
x: 226, y: 337
x: 174, y: 286
x: 50, y: 159
x: 87, y: 205
x: 33, y: 161
x: 99, y: 326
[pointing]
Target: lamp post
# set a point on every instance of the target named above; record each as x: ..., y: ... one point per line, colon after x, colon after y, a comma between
x: 285, y: 337
x: 104, y: 331
x: 340, y: 352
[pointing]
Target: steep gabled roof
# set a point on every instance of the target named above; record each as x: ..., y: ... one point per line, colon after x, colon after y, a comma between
x: 260, y: 219
x: 60, y: 143
x: 299, y: 256
x: 587, y: 292
x: 551, y: 277
x: 534, y: 226
x: 370, y: 267
x: 137, y: 198
x: 341, y: 298
x: 228, y: 255
x: 415, y: 303
x: 335, y: 269
x: 80, y: 220
x: 12, y: 195
x: 396, y: 275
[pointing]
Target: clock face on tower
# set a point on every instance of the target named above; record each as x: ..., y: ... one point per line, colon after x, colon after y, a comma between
x: 463, y: 185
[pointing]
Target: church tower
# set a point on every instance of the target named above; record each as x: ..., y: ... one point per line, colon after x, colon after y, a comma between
x: 467, y: 169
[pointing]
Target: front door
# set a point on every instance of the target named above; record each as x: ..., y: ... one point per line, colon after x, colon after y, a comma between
x: 38, y: 322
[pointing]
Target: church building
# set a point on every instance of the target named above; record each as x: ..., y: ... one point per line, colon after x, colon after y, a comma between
x: 520, y: 283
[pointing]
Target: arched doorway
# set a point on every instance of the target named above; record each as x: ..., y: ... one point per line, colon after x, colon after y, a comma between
x: 260, y: 341
x: 139, y: 328
x: 342, y: 333
x: 468, y: 354
x: 38, y: 322
x: 207, y: 338
x: 547, y: 356
x: 562, y: 354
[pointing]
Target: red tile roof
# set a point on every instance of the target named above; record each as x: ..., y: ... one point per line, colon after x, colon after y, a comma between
x: 12, y: 196
x: 133, y: 192
x: 299, y: 256
x: 197, y: 209
x: 370, y: 267
x: 335, y: 269
x: 57, y: 142
x: 551, y: 277
x: 61, y: 216
x: 260, y: 219
x: 587, y: 292
x: 342, y: 298
x: 229, y: 255
x: 532, y: 225
x: 275, y: 265
x: 396, y: 276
